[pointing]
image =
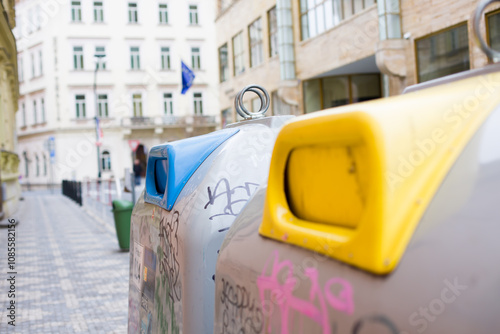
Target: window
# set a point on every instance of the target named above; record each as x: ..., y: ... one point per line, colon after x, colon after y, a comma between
x: 335, y: 91
x: 195, y: 58
x: 137, y: 105
x: 105, y: 161
x: 80, y: 106
x: 273, y: 32
x: 100, y: 53
x: 255, y: 37
x: 42, y: 106
x: 493, y: 23
x: 44, y: 165
x: 226, y: 117
x: 165, y: 58
x: 102, y: 105
x: 78, y: 58
x: 40, y: 60
x: 23, y: 108
x: 98, y: 12
x: 198, y: 103
x: 76, y: 11
x: 168, y: 104
x: 33, y: 65
x: 163, y: 10
x: 223, y: 63
x: 238, y: 54
x: 37, y: 165
x: 444, y: 53
x: 20, y: 69
x: 132, y: 13
x: 35, y: 112
x: 135, y: 61
x: 321, y: 15
x: 193, y: 14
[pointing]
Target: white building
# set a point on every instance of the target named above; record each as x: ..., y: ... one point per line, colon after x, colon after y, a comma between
x: 138, y: 82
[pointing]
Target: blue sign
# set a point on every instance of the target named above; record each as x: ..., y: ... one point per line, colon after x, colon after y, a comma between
x: 52, y: 146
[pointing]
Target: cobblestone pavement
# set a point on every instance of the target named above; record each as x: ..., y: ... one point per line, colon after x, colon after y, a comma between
x: 71, y: 276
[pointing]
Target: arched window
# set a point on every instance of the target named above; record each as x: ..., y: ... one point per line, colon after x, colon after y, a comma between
x: 105, y: 161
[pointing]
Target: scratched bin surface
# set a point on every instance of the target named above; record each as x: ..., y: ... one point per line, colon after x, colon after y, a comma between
x: 174, y: 252
x: 448, y: 278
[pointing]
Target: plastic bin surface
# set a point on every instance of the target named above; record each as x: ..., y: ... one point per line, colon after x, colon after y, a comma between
x: 175, y: 240
x: 443, y: 282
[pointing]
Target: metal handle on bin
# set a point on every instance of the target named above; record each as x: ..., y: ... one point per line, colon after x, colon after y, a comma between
x: 264, y: 102
x: 492, y: 54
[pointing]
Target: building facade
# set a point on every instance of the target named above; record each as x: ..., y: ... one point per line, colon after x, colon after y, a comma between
x: 313, y: 55
x: 119, y: 61
x: 9, y: 90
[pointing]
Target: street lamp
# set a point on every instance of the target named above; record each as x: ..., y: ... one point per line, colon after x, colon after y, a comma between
x: 98, y: 57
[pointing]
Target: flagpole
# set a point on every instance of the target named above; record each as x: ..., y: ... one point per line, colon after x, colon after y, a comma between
x: 97, y: 143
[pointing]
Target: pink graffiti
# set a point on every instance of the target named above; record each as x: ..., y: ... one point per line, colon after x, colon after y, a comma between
x: 315, y: 307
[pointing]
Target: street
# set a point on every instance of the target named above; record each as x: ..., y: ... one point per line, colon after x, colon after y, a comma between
x: 70, y: 276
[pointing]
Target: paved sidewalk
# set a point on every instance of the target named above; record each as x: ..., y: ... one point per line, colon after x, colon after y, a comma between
x: 71, y: 276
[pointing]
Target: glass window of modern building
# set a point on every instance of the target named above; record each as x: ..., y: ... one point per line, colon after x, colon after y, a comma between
x: 272, y: 32
x: 223, y: 63
x: 493, y: 31
x: 443, y: 53
x: 238, y: 54
x: 329, y: 92
x: 255, y: 38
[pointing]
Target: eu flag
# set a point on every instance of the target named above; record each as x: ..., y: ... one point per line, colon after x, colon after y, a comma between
x: 187, y: 77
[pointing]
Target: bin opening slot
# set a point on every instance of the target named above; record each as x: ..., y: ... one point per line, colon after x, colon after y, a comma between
x: 161, y: 168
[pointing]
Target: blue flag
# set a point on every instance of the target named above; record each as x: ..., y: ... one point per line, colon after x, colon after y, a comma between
x: 187, y: 77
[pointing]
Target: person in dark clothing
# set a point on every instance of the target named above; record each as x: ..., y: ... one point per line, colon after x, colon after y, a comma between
x: 137, y: 172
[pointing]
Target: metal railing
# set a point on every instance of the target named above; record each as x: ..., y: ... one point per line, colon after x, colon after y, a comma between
x: 73, y: 190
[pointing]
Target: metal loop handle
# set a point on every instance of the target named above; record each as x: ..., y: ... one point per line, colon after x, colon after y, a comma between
x: 264, y: 102
x: 492, y: 54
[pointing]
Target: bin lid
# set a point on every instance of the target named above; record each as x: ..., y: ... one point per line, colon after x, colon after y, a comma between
x: 119, y: 205
x: 171, y: 165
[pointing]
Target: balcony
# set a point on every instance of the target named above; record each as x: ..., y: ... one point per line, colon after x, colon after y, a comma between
x: 201, y: 121
x: 143, y: 122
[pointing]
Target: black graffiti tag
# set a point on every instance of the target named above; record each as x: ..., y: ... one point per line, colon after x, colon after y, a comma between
x: 240, y: 315
x: 231, y: 195
x: 169, y: 263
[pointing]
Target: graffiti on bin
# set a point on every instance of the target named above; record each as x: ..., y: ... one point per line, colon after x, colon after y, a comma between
x: 168, y: 252
x: 314, y: 307
x: 241, y: 313
x: 371, y: 323
x: 235, y: 198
